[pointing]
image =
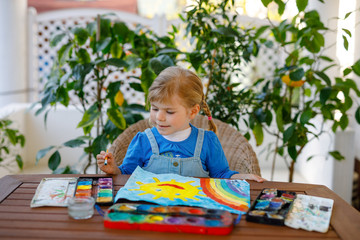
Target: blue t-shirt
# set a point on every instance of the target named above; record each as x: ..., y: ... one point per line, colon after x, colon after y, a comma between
x: 212, y: 155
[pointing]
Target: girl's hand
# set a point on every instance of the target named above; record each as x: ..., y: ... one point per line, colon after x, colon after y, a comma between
x: 248, y: 177
x: 111, y: 167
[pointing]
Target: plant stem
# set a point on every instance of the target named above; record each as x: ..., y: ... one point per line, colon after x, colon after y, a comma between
x: 274, y: 158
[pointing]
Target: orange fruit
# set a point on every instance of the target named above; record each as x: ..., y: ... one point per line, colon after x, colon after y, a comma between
x: 286, y: 79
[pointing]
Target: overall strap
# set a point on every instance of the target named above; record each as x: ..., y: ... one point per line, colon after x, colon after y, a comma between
x: 153, y: 143
x: 199, y: 142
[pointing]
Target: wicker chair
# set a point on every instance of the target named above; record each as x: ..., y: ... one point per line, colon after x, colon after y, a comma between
x: 238, y: 151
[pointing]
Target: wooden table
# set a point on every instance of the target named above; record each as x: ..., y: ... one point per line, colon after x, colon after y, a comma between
x: 18, y: 220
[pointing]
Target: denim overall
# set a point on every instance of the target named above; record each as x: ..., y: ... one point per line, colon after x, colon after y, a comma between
x: 190, y: 166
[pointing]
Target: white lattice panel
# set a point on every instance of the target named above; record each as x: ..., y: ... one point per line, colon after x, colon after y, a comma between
x: 50, y: 23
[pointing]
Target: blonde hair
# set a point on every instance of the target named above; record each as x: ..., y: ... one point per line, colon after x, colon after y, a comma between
x: 184, y: 83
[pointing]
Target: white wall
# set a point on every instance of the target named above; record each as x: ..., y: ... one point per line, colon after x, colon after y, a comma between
x: 13, y: 51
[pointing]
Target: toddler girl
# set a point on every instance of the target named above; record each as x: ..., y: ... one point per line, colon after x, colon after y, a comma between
x: 173, y: 144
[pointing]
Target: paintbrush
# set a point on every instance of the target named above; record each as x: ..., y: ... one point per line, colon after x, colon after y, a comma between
x: 106, y: 157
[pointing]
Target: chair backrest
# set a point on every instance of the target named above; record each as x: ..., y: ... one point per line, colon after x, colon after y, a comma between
x: 238, y: 151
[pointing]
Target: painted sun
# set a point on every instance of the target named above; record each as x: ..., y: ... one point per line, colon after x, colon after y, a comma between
x: 170, y: 189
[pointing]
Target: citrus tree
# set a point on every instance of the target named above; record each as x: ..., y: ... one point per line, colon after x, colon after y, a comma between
x: 301, y: 89
x: 80, y: 77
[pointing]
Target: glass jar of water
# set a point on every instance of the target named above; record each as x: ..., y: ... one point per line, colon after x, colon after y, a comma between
x: 81, y: 208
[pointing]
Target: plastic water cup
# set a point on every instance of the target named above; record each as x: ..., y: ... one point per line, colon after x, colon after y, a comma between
x: 81, y: 208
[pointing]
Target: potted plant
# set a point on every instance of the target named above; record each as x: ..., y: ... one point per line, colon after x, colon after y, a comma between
x: 298, y: 91
x: 11, y: 140
x: 112, y: 46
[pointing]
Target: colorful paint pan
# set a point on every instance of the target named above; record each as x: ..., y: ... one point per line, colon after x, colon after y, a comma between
x: 168, y: 219
x: 99, y: 188
x: 271, y: 206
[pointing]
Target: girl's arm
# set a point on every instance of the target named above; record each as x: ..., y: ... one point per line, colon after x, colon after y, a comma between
x: 248, y: 177
x: 217, y: 163
x: 137, y: 153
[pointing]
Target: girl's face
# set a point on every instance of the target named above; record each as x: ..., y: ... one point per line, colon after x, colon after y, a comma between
x: 172, y: 116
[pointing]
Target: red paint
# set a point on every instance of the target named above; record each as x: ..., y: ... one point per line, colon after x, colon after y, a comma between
x: 171, y: 185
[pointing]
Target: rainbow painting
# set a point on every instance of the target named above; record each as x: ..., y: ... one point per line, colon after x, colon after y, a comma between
x: 227, y: 192
x: 172, y: 189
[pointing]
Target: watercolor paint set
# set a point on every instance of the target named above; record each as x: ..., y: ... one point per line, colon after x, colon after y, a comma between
x: 271, y: 206
x: 100, y: 188
x: 150, y: 217
x: 310, y: 213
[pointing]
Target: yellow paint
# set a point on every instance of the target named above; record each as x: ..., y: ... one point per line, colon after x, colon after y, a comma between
x: 170, y: 189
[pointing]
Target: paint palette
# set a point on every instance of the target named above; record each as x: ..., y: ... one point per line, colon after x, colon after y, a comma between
x: 101, y: 188
x: 168, y: 219
x: 271, y: 206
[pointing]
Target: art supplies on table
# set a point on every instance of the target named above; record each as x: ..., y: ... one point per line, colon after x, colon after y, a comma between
x: 271, y: 206
x: 168, y: 219
x: 310, y: 213
x: 54, y: 192
x: 172, y: 189
x: 101, y: 188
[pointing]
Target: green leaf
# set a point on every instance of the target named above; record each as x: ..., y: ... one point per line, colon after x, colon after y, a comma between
x: 102, y: 44
x: 292, y: 152
x: 281, y: 6
x: 116, y: 50
x: 91, y: 28
x: 159, y: 63
x: 55, y: 39
x: 344, y: 121
x: 100, y: 144
x: 63, y: 53
x: 306, y: 116
x: 147, y: 78
x: 307, y: 92
x: 323, y: 76
x: 279, y: 119
x: 133, y: 61
x: 11, y: 135
x: 347, y: 32
x: 120, y: 29
x: 346, y: 43
x: 337, y: 155
x: 357, y: 115
x: 325, y: 94
x: 297, y: 75
x: 54, y: 160
x: 136, y: 87
x: 74, y: 143
x: 83, y: 56
x: 301, y: 4
x: 117, y: 118
x: 356, y: 67
x: 258, y: 133
x: 260, y: 31
x: 116, y: 62
x: 41, y: 153
x: 347, y: 71
x: 326, y: 58
x: 347, y: 15
x: 19, y: 161
x: 266, y: 2
x: 289, y: 133
x: 195, y: 59
x: 81, y: 35
x: 89, y: 117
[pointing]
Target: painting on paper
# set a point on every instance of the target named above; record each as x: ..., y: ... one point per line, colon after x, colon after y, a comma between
x: 54, y: 192
x: 172, y: 189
